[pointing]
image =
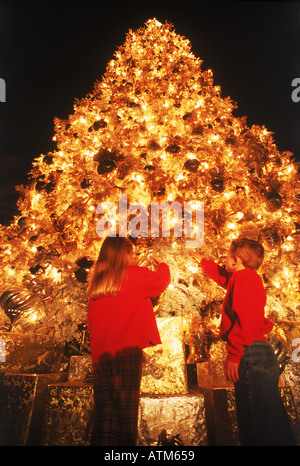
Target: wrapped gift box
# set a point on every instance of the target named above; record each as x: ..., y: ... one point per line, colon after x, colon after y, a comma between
x: 165, y: 366
x: 22, y: 407
x: 69, y: 417
x: 68, y: 414
x: 182, y: 417
x: 25, y: 353
x: 164, y: 370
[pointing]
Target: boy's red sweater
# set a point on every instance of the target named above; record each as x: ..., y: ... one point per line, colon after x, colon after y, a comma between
x: 243, y: 317
x: 127, y: 320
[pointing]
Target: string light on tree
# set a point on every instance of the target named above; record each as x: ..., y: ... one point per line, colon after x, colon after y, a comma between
x: 156, y: 128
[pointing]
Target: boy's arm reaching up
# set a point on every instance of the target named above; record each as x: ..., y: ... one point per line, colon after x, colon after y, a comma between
x: 213, y: 270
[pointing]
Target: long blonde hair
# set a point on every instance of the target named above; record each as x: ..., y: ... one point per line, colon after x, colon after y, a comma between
x: 109, y: 270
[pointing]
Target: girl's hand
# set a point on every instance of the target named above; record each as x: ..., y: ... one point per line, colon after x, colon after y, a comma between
x: 156, y: 260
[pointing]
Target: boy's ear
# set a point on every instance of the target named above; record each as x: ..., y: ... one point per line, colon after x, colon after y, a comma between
x: 234, y: 260
x: 238, y: 260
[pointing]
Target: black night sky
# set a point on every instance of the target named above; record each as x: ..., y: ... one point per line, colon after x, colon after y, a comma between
x: 52, y: 52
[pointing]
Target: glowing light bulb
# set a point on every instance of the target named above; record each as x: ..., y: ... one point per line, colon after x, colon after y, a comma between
x: 33, y: 317
x: 180, y: 177
x: 192, y: 268
x: 231, y: 226
x: 55, y: 274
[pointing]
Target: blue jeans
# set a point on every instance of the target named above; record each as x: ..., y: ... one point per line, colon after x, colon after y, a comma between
x: 262, y: 419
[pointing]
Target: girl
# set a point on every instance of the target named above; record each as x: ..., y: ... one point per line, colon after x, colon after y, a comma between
x: 121, y: 323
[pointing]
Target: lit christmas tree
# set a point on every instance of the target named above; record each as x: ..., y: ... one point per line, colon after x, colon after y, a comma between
x: 156, y: 129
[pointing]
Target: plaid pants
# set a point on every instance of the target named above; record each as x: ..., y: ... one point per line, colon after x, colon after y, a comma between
x: 117, y: 383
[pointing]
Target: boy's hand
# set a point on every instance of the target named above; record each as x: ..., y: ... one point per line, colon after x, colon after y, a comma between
x: 196, y: 256
x: 231, y: 370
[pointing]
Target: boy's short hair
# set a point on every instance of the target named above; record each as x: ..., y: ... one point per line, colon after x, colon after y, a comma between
x: 249, y: 251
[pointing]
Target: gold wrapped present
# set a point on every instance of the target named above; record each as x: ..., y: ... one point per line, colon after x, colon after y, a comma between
x: 68, y: 414
x: 210, y: 373
x: 27, y: 354
x: 182, y: 417
x: 164, y: 370
x: 69, y: 417
x: 22, y: 403
x: 291, y: 377
x: 80, y: 368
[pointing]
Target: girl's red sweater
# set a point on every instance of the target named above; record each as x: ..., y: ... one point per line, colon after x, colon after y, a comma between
x: 117, y: 323
x: 243, y: 313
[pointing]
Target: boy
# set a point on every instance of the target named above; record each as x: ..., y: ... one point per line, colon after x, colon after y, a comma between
x: 250, y: 363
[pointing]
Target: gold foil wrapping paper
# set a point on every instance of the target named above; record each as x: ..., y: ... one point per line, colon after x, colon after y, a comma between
x: 178, y: 415
x: 22, y: 353
x: 23, y: 398
x: 291, y: 378
x: 164, y: 370
x: 69, y: 414
x: 207, y: 418
x: 69, y: 417
x: 44, y: 410
x: 57, y: 408
x: 210, y: 373
x: 17, y: 400
x: 79, y: 367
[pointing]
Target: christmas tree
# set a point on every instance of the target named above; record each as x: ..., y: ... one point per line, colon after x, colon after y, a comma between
x: 155, y: 129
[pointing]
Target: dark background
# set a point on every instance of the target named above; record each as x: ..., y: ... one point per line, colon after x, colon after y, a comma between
x: 52, y: 53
